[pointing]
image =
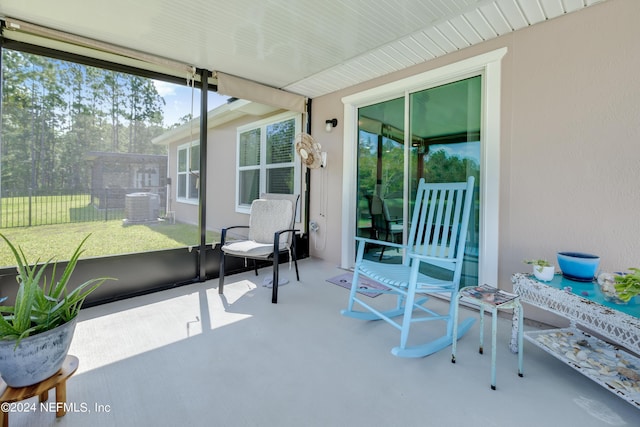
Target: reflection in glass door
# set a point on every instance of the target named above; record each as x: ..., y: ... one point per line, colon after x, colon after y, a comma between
x: 381, y: 175
x: 445, y: 146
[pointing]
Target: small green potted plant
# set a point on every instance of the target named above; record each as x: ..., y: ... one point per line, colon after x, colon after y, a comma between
x: 36, y: 331
x: 620, y: 288
x: 542, y: 269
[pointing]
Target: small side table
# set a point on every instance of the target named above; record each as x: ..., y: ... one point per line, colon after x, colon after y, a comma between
x: 491, y: 299
x: 41, y: 389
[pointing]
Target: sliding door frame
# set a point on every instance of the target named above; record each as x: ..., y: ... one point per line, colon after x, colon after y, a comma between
x: 488, y: 66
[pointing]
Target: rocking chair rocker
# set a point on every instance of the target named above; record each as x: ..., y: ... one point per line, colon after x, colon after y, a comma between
x: 437, y: 239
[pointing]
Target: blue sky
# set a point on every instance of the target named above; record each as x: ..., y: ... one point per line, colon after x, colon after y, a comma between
x: 464, y: 150
x: 178, y: 101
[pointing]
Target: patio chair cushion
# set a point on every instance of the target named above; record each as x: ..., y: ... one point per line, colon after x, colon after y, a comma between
x: 268, y: 217
x: 249, y: 248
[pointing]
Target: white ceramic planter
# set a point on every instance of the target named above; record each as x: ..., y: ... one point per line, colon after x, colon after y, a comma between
x: 37, y: 357
x: 544, y: 273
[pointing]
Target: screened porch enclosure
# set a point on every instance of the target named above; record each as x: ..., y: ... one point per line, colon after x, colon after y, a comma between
x: 79, y: 156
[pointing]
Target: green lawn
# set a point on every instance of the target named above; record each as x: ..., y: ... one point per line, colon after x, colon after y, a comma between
x: 107, y: 238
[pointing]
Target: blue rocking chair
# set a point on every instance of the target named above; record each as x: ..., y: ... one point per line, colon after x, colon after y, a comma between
x: 436, y: 243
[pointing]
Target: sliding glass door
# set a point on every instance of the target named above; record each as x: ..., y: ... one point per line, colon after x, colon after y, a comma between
x: 381, y: 173
x: 444, y: 127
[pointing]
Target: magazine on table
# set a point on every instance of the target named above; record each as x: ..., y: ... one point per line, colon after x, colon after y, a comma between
x: 488, y: 294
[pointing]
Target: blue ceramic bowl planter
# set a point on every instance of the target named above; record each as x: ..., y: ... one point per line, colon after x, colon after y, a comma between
x: 578, y: 266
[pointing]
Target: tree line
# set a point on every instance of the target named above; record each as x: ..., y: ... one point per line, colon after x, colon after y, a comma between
x: 54, y: 111
x: 381, y: 169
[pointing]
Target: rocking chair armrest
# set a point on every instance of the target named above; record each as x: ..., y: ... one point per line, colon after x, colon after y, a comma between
x: 431, y: 259
x: 380, y: 242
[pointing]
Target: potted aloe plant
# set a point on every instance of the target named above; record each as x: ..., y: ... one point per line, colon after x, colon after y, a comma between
x: 36, y: 331
x: 542, y: 269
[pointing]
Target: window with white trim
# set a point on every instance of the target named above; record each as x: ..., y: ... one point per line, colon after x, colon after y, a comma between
x: 266, y: 159
x: 188, y: 172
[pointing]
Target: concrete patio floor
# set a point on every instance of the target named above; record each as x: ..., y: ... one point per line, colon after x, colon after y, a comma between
x: 190, y: 357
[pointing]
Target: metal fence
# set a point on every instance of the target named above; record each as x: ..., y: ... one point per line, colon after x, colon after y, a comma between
x: 27, y: 209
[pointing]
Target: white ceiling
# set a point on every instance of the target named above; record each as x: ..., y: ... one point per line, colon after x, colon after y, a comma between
x: 310, y: 47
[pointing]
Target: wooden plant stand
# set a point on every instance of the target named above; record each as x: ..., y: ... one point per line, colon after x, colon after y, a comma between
x: 9, y: 395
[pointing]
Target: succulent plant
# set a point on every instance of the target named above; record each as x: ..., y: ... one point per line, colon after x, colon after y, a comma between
x: 538, y: 263
x: 42, y: 304
x: 628, y: 285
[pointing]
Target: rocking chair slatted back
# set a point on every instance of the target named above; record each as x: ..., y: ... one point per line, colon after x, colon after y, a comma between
x: 437, y: 226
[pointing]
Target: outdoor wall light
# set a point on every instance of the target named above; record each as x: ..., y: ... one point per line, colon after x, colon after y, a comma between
x: 331, y: 123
